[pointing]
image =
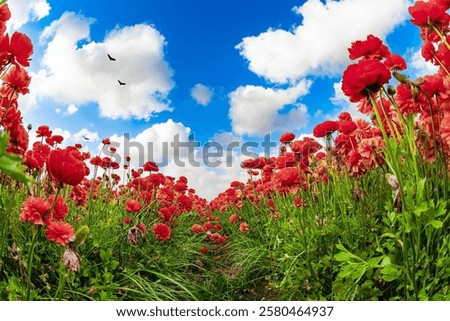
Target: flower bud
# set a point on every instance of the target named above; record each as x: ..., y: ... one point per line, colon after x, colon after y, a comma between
x: 391, y: 90
x: 400, y: 77
x: 80, y: 237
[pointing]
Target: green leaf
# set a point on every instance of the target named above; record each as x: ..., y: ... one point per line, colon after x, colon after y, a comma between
x: 11, y: 164
x: 390, y: 273
x: 436, y: 224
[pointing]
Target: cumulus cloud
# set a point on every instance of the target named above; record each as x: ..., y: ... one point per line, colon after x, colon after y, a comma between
x: 202, y: 94
x: 23, y: 11
x: 340, y: 100
x: 81, y: 135
x: 74, y: 74
x: 319, y: 44
x: 419, y: 66
x: 156, y: 143
x: 256, y: 110
x: 71, y: 109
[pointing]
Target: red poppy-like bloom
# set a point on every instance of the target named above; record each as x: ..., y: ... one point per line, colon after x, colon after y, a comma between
x: 60, y: 232
x: 428, y: 14
x: 106, y: 141
x: 20, y: 49
x: 298, y: 202
x: 5, y: 15
x: 197, y: 228
x: 326, y: 128
x: 18, y: 81
x: 43, y: 131
x: 204, y: 250
x: 445, y: 128
x: 65, y: 168
x: 287, y: 137
x: 288, y: 176
x: 60, y: 210
x: 243, y: 227
x: 127, y: 220
x: 151, y: 167
x: 162, y: 232
x: 347, y: 126
x: 34, y: 209
x: 132, y: 206
x: 233, y: 218
x: 371, y: 48
x: 364, y: 78
x: 395, y: 62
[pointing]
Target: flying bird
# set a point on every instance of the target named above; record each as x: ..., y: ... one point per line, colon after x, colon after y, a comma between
x: 111, y: 58
x: 85, y: 137
x: 121, y: 83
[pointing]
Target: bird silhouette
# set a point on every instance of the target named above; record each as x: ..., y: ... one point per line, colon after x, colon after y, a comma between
x: 85, y: 137
x: 121, y: 83
x: 111, y: 58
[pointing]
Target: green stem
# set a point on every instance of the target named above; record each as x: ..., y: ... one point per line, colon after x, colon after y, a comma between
x: 30, y: 262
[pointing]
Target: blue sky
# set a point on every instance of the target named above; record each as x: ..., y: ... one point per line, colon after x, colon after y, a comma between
x: 220, y: 70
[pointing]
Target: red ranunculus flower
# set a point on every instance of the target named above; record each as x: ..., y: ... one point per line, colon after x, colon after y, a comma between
x: 60, y: 232
x: 34, y: 210
x: 18, y: 81
x: 64, y: 168
x: 287, y: 137
x: 364, y: 78
x: 151, y: 167
x: 371, y: 48
x: 20, y: 49
x: 43, y: 131
x: 162, y: 232
x: 60, y: 210
x: 427, y: 14
x: 326, y: 128
x: 288, y: 176
x: 197, y: 228
x: 243, y: 227
x: 132, y: 206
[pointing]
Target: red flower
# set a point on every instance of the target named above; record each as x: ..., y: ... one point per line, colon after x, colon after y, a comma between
x: 162, y: 232
x: 5, y: 15
x: 60, y: 210
x: 106, y: 141
x: 204, y: 250
x: 364, y: 78
x: 43, y: 131
x: 65, y: 168
x: 34, y: 210
x: 127, y: 220
x: 287, y: 137
x: 298, y: 202
x: 288, y: 176
x: 243, y: 227
x: 132, y: 206
x: 347, y: 126
x: 151, y: 167
x: 60, y: 232
x: 395, y: 62
x: 20, y: 49
x: 197, y: 228
x: 18, y: 80
x: 371, y: 48
x: 233, y: 218
x: 428, y: 14
x: 326, y: 128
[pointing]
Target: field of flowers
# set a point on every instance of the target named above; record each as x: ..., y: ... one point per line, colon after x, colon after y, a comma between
x: 364, y: 216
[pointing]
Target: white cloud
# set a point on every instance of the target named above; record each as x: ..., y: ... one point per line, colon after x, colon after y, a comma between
x: 23, y: 11
x: 319, y: 45
x: 81, y: 75
x: 202, y: 94
x: 80, y: 136
x: 155, y: 143
x: 255, y: 110
x: 71, y: 109
x: 419, y: 66
x: 339, y: 99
